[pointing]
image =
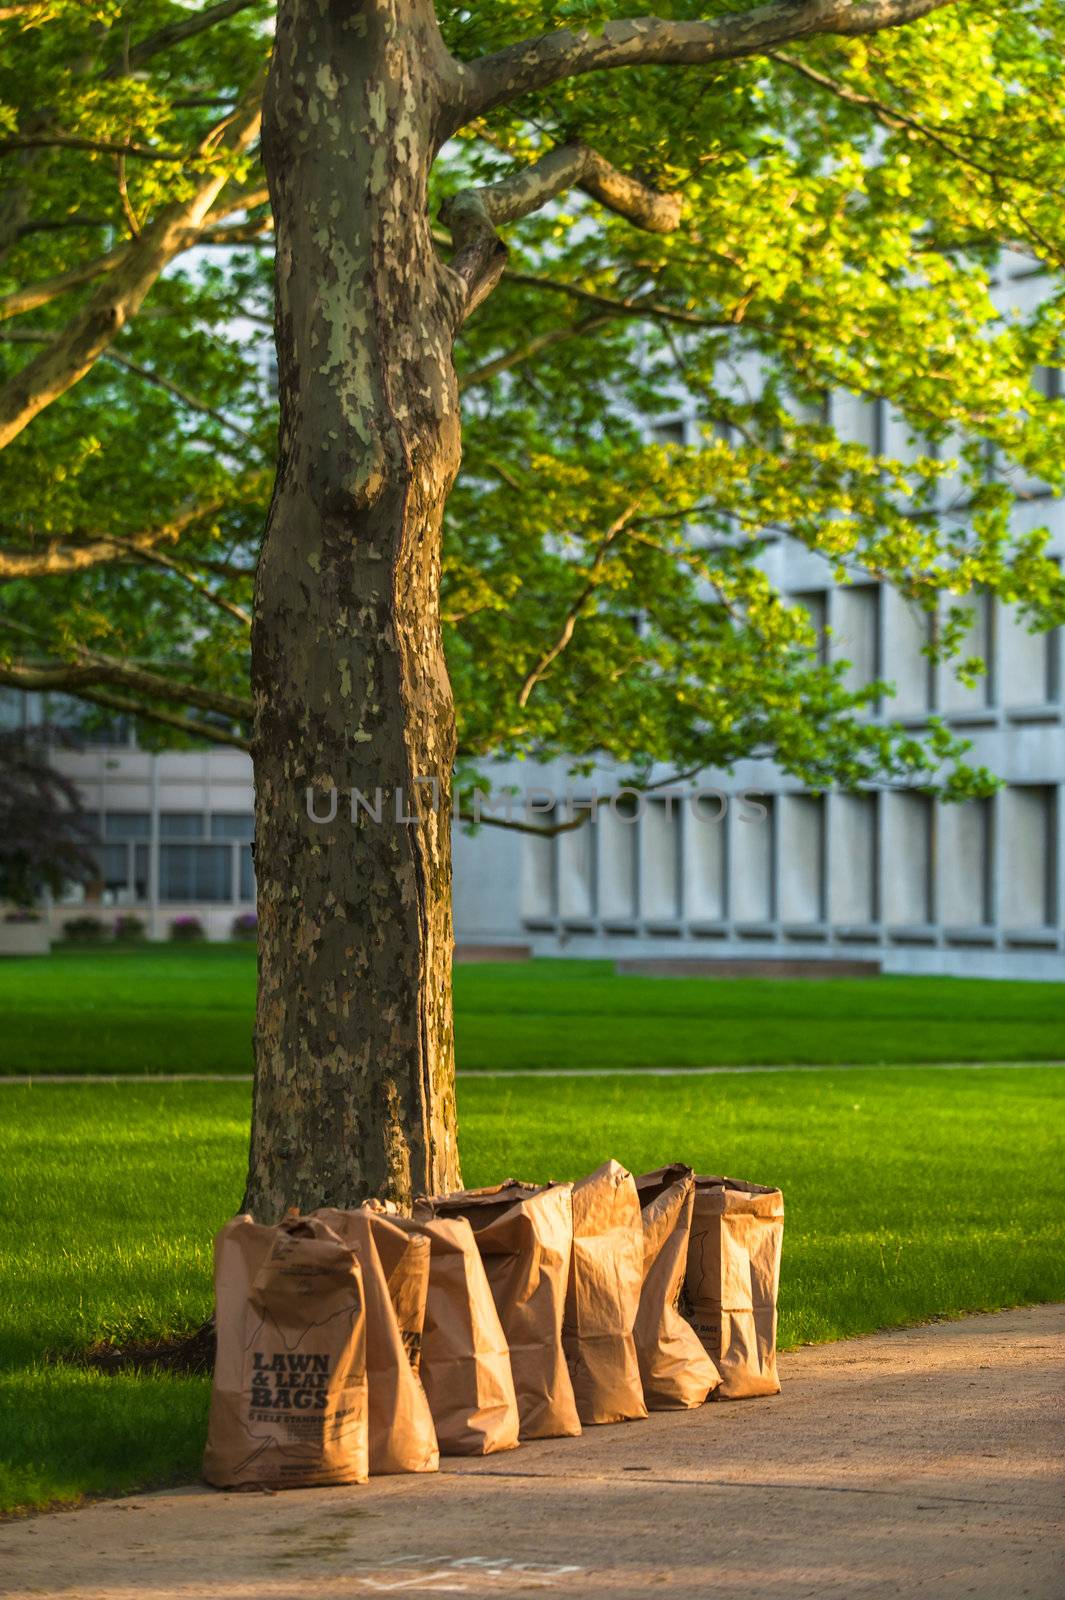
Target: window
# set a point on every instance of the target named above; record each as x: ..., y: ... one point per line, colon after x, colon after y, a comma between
x: 140, y: 872
x: 1025, y: 660
x: 802, y: 855
x: 908, y: 636
x: 123, y: 867
x: 853, y: 831
x: 539, y: 899
x: 618, y: 858
x: 751, y: 890
x: 1028, y: 814
x: 963, y: 847
x: 954, y: 695
x: 908, y: 857
x: 181, y: 824
x: 114, y: 869
x: 127, y: 825
x: 233, y: 825
x: 815, y: 603
x: 247, y: 874
x: 856, y: 633
x: 195, y: 872
x: 1047, y: 382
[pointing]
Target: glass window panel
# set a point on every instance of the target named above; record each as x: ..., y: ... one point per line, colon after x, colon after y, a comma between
x: 751, y: 895
x: 538, y: 872
x: 815, y: 604
x: 114, y: 867
x: 195, y: 872
x: 181, y: 824
x: 617, y: 861
x: 908, y: 855
x: 801, y: 858
x: 855, y: 633
x: 232, y: 825
x: 659, y: 862
x: 1028, y: 847
x: 852, y: 892
x: 127, y: 825
x: 247, y: 874
x: 140, y: 871
x: 576, y: 872
x: 1023, y: 661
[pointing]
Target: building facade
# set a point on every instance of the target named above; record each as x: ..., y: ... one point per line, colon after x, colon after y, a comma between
x: 886, y: 878
x: 744, y: 866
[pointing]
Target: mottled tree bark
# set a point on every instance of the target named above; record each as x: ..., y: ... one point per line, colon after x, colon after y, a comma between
x: 354, y: 1080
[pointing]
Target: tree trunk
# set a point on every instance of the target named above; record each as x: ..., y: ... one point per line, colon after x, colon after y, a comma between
x: 354, y: 1060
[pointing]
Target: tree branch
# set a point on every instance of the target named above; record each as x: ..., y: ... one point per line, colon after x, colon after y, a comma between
x: 548, y: 832
x: 891, y: 117
x: 239, y: 200
x: 103, y: 147
x: 118, y: 299
x: 569, y: 622
x: 48, y: 289
x: 179, y: 393
x: 156, y: 379
x: 58, y: 558
x: 175, y: 33
x: 636, y: 307
x: 543, y: 341
x: 156, y: 558
x: 168, y: 719
x: 473, y: 215
x: 254, y: 231
x: 103, y: 671
x: 656, y: 41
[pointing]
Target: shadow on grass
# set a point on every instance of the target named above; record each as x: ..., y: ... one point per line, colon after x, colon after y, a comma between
x: 67, y: 1432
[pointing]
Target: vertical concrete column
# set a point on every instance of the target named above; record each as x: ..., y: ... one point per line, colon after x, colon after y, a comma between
x: 154, y: 929
x: 1057, y: 866
x: 996, y: 870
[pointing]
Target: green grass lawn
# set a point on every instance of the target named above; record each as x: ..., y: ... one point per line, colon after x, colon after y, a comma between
x: 909, y: 1195
x: 175, y: 1009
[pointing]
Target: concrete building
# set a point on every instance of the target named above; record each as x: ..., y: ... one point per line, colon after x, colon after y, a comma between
x: 883, y: 878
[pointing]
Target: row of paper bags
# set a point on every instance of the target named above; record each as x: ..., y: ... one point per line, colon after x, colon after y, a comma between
x: 359, y: 1342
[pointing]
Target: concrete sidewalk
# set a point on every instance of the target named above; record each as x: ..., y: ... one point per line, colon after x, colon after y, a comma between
x: 925, y: 1462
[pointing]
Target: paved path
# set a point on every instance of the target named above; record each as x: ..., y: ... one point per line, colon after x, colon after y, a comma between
x: 42, y: 1078
x: 928, y: 1462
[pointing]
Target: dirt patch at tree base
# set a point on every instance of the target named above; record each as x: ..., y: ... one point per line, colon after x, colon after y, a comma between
x: 187, y: 1355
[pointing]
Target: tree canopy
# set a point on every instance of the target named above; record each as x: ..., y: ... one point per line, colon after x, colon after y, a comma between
x: 839, y: 206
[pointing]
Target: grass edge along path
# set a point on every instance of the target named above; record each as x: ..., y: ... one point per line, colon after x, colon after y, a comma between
x: 164, y: 1009
x: 909, y: 1196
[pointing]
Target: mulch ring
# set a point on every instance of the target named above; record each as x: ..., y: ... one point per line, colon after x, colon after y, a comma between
x: 190, y: 1354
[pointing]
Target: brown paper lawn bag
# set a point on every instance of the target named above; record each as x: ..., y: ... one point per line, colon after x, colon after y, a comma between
x: 394, y: 1272
x: 525, y: 1236
x: 465, y: 1365
x: 603, y: 1297
x: 732, y: 1280
x: 675, y: 1370
x: 289, y: 1398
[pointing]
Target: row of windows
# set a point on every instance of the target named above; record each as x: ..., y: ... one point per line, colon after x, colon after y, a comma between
x: 238, y: 825
x: 201, y: 856
x: 892, y: 860
x: 216, y: 873
x: 882, y: 636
